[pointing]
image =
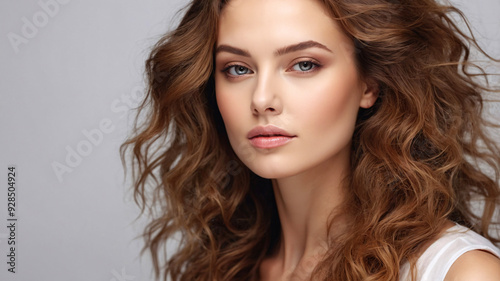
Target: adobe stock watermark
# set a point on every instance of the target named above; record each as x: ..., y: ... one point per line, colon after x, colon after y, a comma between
x: 121, y: 276
x: 92, y: 138
x: 31, y: 26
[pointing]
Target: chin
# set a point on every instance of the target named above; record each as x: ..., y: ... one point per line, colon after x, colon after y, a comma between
x: 269, y: 172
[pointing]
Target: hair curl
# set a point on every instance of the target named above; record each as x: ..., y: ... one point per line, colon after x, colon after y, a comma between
x: 420, y: 156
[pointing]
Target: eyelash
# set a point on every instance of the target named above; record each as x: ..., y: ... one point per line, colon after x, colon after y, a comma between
x: 315, y: 66
x: 229, y: 67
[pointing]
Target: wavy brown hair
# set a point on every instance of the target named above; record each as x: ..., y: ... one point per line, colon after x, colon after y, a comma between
x: 420, y: 157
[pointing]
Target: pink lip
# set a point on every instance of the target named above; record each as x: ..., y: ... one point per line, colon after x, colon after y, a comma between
x: 269, y: 137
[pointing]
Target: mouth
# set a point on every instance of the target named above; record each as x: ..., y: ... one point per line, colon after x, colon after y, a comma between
x: 269, y: 137
x: 268, y: 131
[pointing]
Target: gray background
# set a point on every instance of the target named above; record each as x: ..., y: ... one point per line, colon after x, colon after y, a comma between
x: 66, y: 87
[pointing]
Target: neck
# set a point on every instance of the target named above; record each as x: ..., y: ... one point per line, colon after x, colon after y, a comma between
x: 305, y: 203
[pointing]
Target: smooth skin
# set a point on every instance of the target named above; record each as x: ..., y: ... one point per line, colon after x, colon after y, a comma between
x: 475, y: 265
x: 286, y: 63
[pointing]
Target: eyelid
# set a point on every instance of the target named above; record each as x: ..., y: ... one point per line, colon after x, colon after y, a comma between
x: 231, y: 64
x: 315, y: 62
x: 228, y: 66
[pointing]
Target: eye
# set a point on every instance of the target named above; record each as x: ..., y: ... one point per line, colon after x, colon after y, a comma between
x: 237, y: 70
x: 304, y: 66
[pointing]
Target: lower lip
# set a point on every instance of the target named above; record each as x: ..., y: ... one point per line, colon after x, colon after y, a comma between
x: 270, y: 142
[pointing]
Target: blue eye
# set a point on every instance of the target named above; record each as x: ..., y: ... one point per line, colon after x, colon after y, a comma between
x: 304, y: 66
x: 237, y: 70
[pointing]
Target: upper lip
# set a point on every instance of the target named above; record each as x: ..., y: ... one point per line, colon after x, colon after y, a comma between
x: 267, y: 131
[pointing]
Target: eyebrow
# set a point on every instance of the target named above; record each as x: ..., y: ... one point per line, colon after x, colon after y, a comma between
x: 281, y: 51
x: 232, y: 50
x: 301, y: 46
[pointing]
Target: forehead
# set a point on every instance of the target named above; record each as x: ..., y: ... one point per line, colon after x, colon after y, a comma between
x: 269, y: 21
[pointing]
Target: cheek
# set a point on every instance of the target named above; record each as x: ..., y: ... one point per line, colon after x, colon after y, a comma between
x: 331, y: 102
x: 329, y: 118
x: 230, y: 105
x: 235, y: 113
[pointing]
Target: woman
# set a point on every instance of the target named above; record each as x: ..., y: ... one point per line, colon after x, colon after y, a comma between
x: 317, y: 140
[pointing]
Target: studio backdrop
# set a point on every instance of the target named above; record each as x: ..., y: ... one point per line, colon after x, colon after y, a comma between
x: 71, y: 71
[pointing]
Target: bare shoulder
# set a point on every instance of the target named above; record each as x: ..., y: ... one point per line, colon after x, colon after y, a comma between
x: 475, y: 265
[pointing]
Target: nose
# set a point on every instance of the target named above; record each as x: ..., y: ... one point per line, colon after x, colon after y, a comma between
x: 266, y: 99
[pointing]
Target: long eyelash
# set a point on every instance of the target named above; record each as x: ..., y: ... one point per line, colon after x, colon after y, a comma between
x: 225, y: 69
x: 316, y: 64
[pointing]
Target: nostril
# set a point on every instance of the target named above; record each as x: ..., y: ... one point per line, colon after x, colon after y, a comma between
x: 268, y: 109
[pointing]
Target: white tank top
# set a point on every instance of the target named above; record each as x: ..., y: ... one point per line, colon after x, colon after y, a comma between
x: 435, y: 262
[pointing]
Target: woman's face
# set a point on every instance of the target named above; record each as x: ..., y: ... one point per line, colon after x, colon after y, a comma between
x: 287, y: 86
